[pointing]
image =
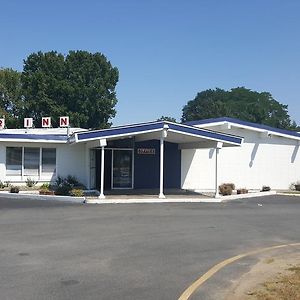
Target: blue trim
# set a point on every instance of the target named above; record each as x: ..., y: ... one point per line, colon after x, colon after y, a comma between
x: 207, y: 133
x: 119, y: 131
x: 245, y: 123
x: 33, y: 136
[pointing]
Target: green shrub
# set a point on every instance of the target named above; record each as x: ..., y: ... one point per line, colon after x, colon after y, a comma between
x: 63, y: 186
x: 73, y: 180
x: 14, y: 189
x: 30, y: 182
x: 45, y: 186
x: 76, y: 193
x: 4, y: 184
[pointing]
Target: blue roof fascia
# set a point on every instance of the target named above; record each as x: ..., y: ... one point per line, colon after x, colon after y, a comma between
x: 19, y: 136
x: 123, y: 130
x: 245, y: 123
x: 206, y: 133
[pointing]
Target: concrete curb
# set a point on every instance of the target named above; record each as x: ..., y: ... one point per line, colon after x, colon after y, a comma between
x: 152, y: 200
x: 41, y: 197
x: 249, y: 195
x: 134, y: 200
x: 179, y: 200
x: 287, y: 194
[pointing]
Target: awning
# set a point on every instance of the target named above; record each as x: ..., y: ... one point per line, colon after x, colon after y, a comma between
x: 185, y: 135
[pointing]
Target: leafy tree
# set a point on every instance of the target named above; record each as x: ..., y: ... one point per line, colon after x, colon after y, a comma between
x: 165, y: 118
x: 240, y: 103
x: 10, y: 97
x: 80, y: 85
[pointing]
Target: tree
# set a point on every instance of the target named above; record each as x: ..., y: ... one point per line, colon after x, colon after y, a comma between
x: 165, y: 118
x: 11, y: 97
x: 240, y: 103
x: 80, y: 85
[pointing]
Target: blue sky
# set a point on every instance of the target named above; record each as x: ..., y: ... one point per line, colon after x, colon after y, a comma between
x: 166, y: 51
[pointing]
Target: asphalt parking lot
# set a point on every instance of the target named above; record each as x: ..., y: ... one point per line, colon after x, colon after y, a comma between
x: 52, y: 250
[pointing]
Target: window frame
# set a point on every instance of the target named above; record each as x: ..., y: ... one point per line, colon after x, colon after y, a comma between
x: 7, y: 171
x: 41, y: 175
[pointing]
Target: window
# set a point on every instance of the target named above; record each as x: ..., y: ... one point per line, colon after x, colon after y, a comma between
x: 48, y: 160
x: 14, y: 160
x: 30, y: 161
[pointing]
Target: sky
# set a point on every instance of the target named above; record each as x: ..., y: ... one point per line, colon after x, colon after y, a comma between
x: 166, y: 51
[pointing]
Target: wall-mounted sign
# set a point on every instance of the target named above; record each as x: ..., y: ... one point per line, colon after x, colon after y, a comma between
x: 46, y: 122
x: 2, y: 123
x: 28, y: 122
x: 63, y: 121
x: 146, y: 151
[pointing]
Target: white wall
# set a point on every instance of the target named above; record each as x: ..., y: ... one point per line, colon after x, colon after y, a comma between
x: 261, y: 160
x: 70, y: 160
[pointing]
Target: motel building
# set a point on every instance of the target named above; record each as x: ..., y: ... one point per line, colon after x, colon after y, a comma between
x: 158, y: 156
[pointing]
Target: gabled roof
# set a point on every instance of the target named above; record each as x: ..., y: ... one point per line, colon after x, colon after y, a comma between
x: 246, y: 125
x: 150, y: 127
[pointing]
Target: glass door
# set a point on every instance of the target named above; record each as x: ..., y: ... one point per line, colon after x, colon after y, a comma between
x: 122, y: 169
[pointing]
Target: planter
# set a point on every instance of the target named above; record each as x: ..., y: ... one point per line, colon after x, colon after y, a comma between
x: 45, y: 192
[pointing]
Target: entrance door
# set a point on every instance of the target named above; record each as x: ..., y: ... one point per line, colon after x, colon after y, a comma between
x: 122, y: 169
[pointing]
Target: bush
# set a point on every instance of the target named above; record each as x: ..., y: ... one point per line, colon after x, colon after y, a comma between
x: 7, y: 183
x: 265, y: 188
x: 63, y: 186
x: 30, y: 182
x: 231, y: 185
x: 14, y: 189
x: 295, y: 186
x: 45, y: 186
x: 4, y: 184
x: 73, y: 180
x: 226, y: 189
x: 242, y: 191
x: 76, y: 193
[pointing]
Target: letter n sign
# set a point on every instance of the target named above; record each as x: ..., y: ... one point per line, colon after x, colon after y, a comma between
x: 2, y: 123
x: 28, y: 122
x: 46, y: 122
x: 63, y: 121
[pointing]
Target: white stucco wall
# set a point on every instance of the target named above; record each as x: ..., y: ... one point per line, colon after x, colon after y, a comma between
x: 261, y: 160
x: 70, y: 160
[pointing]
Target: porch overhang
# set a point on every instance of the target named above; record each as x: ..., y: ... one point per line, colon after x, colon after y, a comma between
x: 187, y: 137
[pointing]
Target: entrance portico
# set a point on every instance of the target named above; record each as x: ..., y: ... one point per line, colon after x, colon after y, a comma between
x: 146, y: 155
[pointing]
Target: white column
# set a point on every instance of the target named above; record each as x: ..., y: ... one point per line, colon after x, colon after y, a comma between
x: 218, y: 147
x: 161, y: 168
x: 102, y: 175
x: 87, y: 166
x: 217, y: 195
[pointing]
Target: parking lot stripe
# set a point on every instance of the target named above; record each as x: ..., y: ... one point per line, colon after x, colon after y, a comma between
x: 196, y: 284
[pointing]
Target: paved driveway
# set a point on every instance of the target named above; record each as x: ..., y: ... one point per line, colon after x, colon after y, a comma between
x: 51, y: 250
